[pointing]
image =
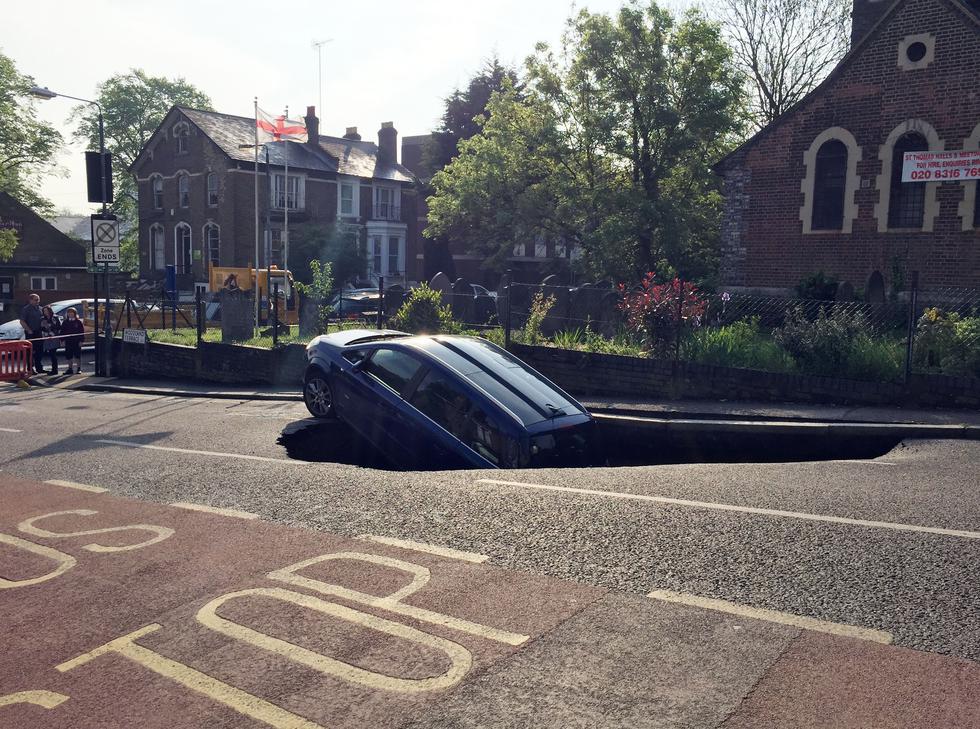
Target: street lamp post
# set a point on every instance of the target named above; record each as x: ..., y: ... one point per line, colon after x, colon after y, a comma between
x: 100, y: 356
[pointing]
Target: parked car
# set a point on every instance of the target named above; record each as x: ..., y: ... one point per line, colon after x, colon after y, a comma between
x: 446, y: 401
x: 85, y: 308
x: 355, y: 304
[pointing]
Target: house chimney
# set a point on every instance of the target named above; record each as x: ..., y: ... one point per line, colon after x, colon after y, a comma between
x: 352, y: 134
x: 865, y: 14
x: 312, y: 126
x: 388, y: 143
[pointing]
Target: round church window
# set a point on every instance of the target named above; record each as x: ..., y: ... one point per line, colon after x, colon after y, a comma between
x: 916, y: 51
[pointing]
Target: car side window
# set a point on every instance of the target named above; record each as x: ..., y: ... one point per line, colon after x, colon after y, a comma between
x: 393, y: 368
x: 354, y: 355
x: 443, y: 401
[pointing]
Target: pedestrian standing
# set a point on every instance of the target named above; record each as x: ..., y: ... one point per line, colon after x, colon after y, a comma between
x: 30, y: 321
x: 50, y: 331
x: 73, y: 332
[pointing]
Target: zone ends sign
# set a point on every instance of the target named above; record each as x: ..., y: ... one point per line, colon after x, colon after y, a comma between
x: 105, y: 239
x: 941, y: 166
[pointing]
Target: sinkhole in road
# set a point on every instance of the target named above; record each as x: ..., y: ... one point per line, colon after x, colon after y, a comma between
x: 624, y: 444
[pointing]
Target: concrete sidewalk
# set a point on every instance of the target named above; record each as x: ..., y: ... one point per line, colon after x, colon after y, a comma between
x: 710, y: 410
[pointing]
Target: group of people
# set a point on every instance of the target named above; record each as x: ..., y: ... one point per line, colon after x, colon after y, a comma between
x: 48, y: 332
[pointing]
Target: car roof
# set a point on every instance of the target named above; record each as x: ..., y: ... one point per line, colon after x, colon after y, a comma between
x: 502, y: 377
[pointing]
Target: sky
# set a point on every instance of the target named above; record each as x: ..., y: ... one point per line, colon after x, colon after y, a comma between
x: 386, y: 60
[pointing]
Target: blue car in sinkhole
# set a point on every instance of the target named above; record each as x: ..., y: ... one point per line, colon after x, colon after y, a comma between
x: 446, y: 402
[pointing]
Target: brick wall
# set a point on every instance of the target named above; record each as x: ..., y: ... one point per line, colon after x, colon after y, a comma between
x: 763, y: 241
x: 586, y: 373
x: 220, y: 363
x: 581, y: 373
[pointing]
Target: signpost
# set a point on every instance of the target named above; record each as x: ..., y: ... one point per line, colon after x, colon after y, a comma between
x: 105, y: 253
x: 954, y: 166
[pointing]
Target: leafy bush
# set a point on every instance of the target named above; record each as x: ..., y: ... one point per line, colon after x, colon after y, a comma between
x: 652, y: 311
x: 817, y: 286
x: 423, y: 313
x: 740, y: 344
x: 838, y: 345
x: 875, y: 358
x: 948, y: 343
x: 540, y: 306
x: 319, y: 290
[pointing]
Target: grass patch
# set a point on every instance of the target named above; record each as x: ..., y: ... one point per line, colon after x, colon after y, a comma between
x: 741, y: 344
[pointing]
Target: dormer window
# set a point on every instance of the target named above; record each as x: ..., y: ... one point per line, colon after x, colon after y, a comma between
x: 181, y: 132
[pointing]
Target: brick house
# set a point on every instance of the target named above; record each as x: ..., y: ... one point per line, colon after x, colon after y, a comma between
x: 46, y: 261
x: 819, y: 189
x: 195, y: 179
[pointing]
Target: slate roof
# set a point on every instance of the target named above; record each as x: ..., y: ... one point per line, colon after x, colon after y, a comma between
x: 334, y: 154
x: 79, y: 227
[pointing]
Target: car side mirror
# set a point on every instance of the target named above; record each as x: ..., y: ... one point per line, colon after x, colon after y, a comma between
x: 357, y: 366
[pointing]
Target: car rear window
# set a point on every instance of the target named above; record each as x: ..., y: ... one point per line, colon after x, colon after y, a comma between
x: 393, y: 368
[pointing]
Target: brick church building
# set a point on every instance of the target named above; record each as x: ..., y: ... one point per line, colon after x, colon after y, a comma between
x: 820, y: 188
x: 196, y: 185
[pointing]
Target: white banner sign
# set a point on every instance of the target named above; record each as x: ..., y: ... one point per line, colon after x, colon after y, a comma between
x: 941, y: 166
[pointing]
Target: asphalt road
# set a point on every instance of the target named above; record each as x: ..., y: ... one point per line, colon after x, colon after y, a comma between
x: 918, y: 585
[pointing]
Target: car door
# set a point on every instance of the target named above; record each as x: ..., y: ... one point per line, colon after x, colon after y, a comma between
x: 376, y: 408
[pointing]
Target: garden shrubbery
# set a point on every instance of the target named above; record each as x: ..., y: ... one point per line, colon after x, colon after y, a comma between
x: 424, y: 313
x: 839, y: 344
x: 948, y: 343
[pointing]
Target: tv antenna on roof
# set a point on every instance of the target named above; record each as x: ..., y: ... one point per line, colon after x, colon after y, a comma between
x: 317, y: 45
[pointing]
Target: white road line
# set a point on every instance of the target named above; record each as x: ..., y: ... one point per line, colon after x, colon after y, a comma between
x: 215, y: 510
x: 744, y: 509
x: 428, y: 548
x: 77, y: 486
x: 858, y: 462
x: 10, y: 430
x: 130, y: 444
x: 773, y: 616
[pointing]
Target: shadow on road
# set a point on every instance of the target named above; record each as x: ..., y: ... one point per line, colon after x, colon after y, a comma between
x: 330, y: 441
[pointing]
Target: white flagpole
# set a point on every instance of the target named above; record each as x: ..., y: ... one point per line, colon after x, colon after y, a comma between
x: 285, y: 224
x: 255, y: 287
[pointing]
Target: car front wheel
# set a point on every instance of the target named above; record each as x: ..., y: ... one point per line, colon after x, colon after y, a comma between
x: 317, y: 394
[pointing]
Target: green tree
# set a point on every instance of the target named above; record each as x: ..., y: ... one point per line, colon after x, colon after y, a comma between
x: 464, y: 110
x: 607, y: 149
x: 339, y: 246
x: 133, y: 105
x: 8, y: 243
x: 27, y: 144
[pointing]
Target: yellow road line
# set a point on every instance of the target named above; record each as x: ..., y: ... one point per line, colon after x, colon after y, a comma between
x: 77, y: 486
x: 215, y: 510
x: 427, y: 548
x: 772, y: 616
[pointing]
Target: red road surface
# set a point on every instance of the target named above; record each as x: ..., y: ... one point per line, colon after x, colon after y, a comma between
x: 178, y: 618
